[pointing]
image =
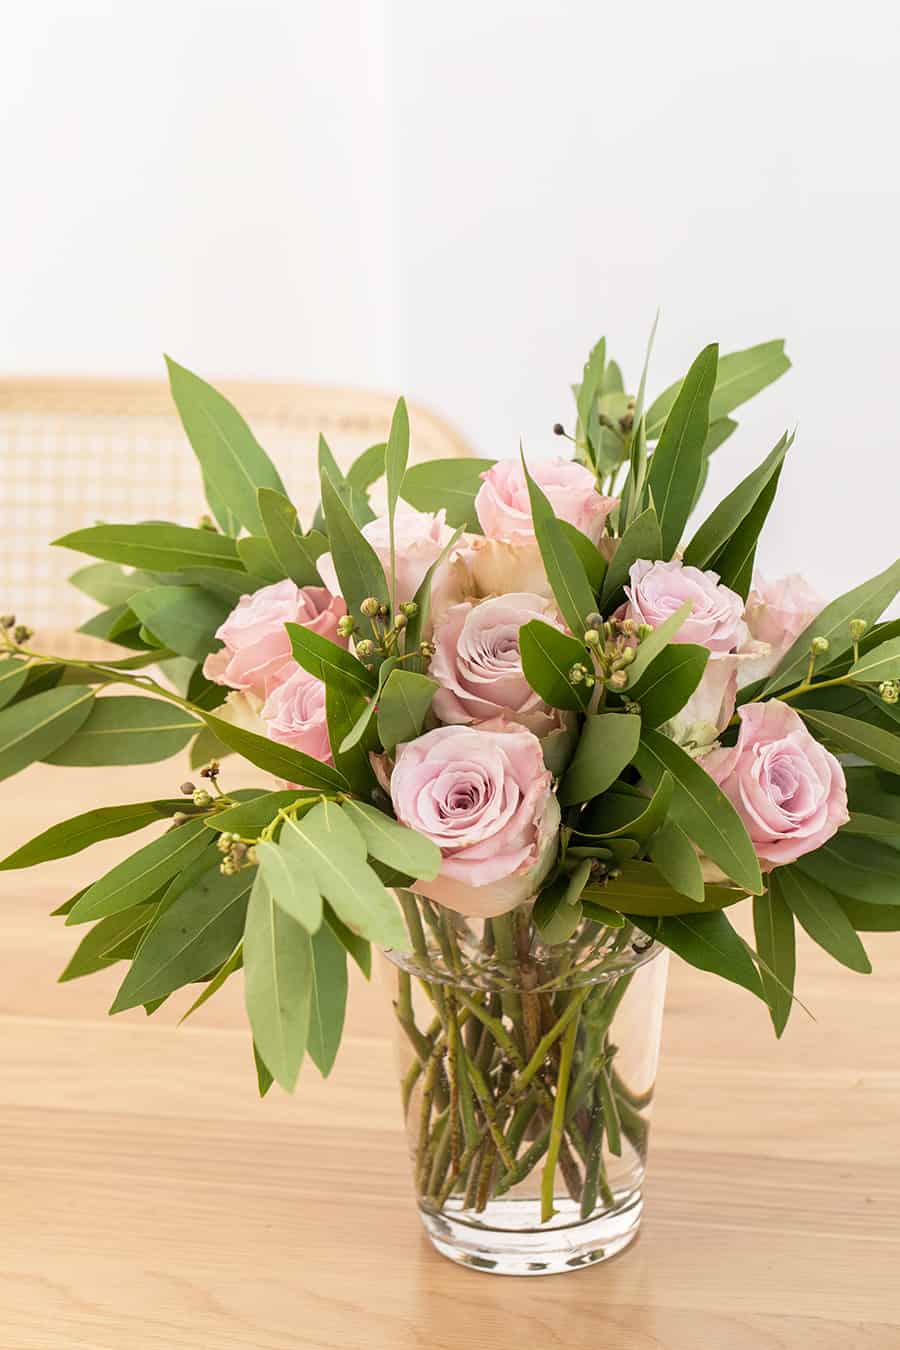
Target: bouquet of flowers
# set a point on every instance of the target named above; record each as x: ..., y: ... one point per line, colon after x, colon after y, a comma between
x: 527, y: 732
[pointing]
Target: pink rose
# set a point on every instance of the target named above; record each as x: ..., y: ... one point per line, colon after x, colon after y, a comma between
x: 480, y: 567
x: 420, y: 538
x: 778, y: 612
x: 658, y: 589
x: 294, y: 714
x: 485, y: 798
x: 478, y: 664
x: 504, y: 510
x: 789, y: 791
x: 257, y: 651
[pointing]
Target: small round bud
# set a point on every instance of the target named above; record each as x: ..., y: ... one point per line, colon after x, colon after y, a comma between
x: 819, y: 646
x: 592, y: 637
x: 409, y: 608
x: 223, y: 843
x: 212, y: 770
x: 629, y: 627
x: 7, y: 620
x: 207, y: 523
x: 187, y: 789
x: 626, y: 422
x: 252, y: 859
x: 21, y: 633
x: 589, y: 681
x: 576, y: 674
x: 889, y: 691
x: 202, y: 798
x: 644, y: 631
x: 594, y: 620
x: 239, y: 853
x: 400, y: 621
x: 633, y: 708
x: 369, y: 607
x: 614, y: 873
x: 227, y: 867
x: 627, y: 656
x: 618, y: 679
x: 346, y: 625
x: 858, y: 629
x: 426, y: 649
x: 558, y: 429
x: 180, y: 818
x: 365, y: 648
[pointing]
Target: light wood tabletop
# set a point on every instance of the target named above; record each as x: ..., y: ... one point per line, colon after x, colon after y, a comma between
x: 150, y: 1201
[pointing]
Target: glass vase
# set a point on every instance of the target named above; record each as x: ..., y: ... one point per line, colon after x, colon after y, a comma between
x: 527, y: 1073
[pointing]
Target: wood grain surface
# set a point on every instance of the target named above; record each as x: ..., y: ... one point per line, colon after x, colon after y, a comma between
x: 150, y: 1201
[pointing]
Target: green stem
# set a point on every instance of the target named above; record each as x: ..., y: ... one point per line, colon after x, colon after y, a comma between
x: 559, y: 1115
x: 486, y: 1102
x: 494, y: 1025
x: 546, y: 1043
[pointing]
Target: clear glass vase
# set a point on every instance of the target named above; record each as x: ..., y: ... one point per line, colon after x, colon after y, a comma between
x: 527, y: 1073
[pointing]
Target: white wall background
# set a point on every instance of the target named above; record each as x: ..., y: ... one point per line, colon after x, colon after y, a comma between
x: 457, y: 200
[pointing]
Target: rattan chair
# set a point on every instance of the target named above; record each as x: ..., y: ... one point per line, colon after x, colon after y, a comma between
x: 74, y: 451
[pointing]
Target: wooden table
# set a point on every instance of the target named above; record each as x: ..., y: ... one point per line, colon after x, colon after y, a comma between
x: 150, y: 1201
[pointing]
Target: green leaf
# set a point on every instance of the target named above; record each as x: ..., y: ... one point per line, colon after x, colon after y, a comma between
x: 867, y: 601
x: 819, y: 912
x: 642, y: 889
x: 259, y: 558
x: 251, y: 817
x: 127, y: 729
x: 676, y: 463
x: 863, y: 869
x: 280, y: 760
x: 79, y: 832
x: 655, y: 642
x: 641, y: 540
x: 719, y: 432
x: 717, y: 530
x: 144, y: 872
x: 353, y: 944
x: 367, y: 468
x: 356, y: 502
x: 194, y: 936
x: 586, y: 397
x: 264, y: 1079
x: 872, y: 827
x: 154, y: 545
x: 328, y: 1001
x: 708, y: 942
x: 448, y: 484
x: 206, y: 748
x: 108, y: 583
x: 358, y: 568
x: 393, y: 843
x: 403, y: 705
x: 233, y: 462
x: 395, y: 460
x: 590, y: 557
x: 345, y: 710
x: 183, y: 617
x: 278, y: 984
x: 773, y: 925
x: 279, y: 518
x: 608, y: 744
x: 32, y: 730
x: 701, y: 809
x: 740, y: 375
x: 290, y: 886
x: 856, y: 738
x: 327, y: 661
x: 615, y: 815
x: 566, y: 575
x: 871, y: 918
x: 882, y: 663
x: 735, y: 561
x: 555, y: 918
x: 327, y: 841
x: 91, y: 953
x: 361, y: 727
x: 13, y: 674
x: 668, y: 682
x: 228, y: 967
x: 675, y: 856
x: 547, y: 656
x: 418, y: 624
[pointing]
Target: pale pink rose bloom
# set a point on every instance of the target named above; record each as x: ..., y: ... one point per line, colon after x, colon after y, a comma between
x: 659, y: 589
x: 420, y: 537
x: 484, y: 797
x: 479, y: 668
x: 257, y: 650
x: 710, y: 708
x: 480, y: 567
x: 789, y: 790
x: 294, y: 714
x: 504, y: 509
x: 777, y: 613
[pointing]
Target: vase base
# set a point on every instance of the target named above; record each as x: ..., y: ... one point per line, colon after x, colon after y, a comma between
x: 567, y: 1244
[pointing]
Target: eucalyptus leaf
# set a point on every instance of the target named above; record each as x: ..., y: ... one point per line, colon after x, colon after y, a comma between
x: 228, y: 967
x: 641, y: 540
x: 249, y: 818
x: 862, y: 869
x: 701, y: 809
x: 232, y: 460
x: 328, y: 999
x: 668, y: 682
x: 403, y: 705
x: 819, y: 912
x: 327, y: 661
x: 13, y: 674
x: 91, y: 953
x: 659, y: 638
x: 127, y: 729
x: 773, y: 925
x: 279, y: 518
x: 609, y: 742
x: 555, y: 918
x: 359, y: 948
x: 259, y: 558
x: 139, y: 876
x: 719, y: 527
x: 567, y: 577
x: 547, y: 656
x: 882, y: 663
x: 740, y: 376
x: 79, y: 832
x: 345, y: 706
x: 393, y: 843
x: 589, y: 555
x: 184, y: 618
x: 290, y: 886
x: 154, y: 545
x: 358, y: 567
x: 355, y: 501
x: 854, y: 737
x: 675, y: 856
x: 367, y: 468
x: 708, y: 942
x: 396, y: 457
x: 278, y: 984
x: 281, y: 760
x: 109, y: 584
x: 734, y: 563
x: 447, y: 484
x: 32, y: 730
x: 676, y: 463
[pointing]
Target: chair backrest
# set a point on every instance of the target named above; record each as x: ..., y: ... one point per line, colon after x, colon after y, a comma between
x: 75, y: 451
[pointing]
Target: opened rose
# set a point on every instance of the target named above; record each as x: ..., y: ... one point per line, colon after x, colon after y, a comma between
x: 484, y: 797
x: 420, y: 538
x: 789, y: 791
x: 504, y: 509
x: 257, y: 650
x: 294, y: 714
x: 478, y: 663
